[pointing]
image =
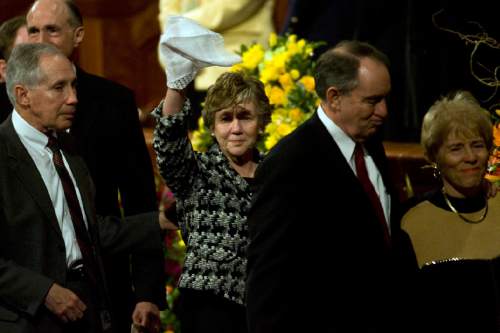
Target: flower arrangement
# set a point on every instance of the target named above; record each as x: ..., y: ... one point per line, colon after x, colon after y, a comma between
x: 285, y: 68
x: 174, y: 257
x: 493, y: 173
x: 174, y: 252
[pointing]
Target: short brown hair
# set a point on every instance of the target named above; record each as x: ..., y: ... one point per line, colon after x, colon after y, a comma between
x: 231, y: 89
x: 459, y: 113
x: 8, y: 32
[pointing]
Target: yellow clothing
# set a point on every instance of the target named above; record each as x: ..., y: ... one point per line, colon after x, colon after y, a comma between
x: 438, y: 234
x: 238, y: 21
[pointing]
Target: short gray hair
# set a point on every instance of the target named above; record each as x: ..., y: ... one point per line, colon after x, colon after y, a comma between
x: 23, y: 66
x: 338, y: 67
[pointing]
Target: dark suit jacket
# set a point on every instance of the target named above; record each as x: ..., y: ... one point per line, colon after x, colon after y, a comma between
x: 109, y: 137
x: 32, y: 251
x: 317, y: 260
x: 5, y: 106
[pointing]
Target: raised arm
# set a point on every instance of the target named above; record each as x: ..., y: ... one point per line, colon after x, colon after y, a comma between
x: 173, y: 102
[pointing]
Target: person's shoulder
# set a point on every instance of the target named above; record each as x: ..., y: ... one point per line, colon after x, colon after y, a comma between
x: 6, y: 131
x: 495, y: 201
x: 299, y: 140
x: 99, y: 85
x: 291, y: 147
x: 5, y: 125
x: 417, y: 207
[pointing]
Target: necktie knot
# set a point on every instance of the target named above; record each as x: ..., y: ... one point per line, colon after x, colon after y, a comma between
x: 359, y: 160
x: 52, y: 144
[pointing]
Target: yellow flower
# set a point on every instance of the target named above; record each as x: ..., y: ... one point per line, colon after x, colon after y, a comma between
x: 497, y: 111
x: 492, y: 178
x: 181, y: 241
x: 169, y: 289
x: 273, y: 39
x: 295, y: 114
x: 496, y: 135
x: 301, y: 44
x: 276, y: 118
x: 237, y: 68
x: 271, y: 140
x: 282, y: 68
x: 253, y: 56
x: 284, y: 129
x: 201, y: 123
x: 308, y: 82
x: 292, y: 48
x: 277, y: 96
x: 271, y: 127
x: 295, y: 74
x: 291, y: 39
x: 279, y: 60
x: 286, y: 81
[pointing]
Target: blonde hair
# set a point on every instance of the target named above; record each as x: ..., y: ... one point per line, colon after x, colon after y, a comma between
x: 459, y: 113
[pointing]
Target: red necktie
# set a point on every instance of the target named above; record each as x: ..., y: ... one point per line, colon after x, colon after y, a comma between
x: 362, y: 172
x: 82, y: 235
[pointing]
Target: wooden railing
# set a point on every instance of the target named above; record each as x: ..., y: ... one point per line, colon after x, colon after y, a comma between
x: 405, y: 159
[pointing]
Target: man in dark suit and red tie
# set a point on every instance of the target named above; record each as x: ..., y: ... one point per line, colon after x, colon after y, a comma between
x: 109, y: 137
x: 51, y: 240
x: 320, y: 255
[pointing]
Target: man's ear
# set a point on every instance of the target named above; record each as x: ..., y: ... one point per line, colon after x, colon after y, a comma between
x: 22, y: 95
x: 333, y: 98
x: 3, y: 69
x: 78, y: 36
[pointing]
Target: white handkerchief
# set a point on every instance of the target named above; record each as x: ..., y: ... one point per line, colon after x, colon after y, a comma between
x: 186, y: 47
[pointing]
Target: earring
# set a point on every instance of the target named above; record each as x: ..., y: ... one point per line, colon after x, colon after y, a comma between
x: 212, y: 134
x: 435, y: 171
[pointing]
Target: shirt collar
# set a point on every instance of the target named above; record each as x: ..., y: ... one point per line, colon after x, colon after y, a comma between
x: 345, y: 143
x: 27, y: 132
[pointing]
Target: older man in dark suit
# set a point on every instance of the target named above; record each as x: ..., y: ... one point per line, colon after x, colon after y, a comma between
x: 51, y: 241
x: 320, y: 254
x: 109, y: 137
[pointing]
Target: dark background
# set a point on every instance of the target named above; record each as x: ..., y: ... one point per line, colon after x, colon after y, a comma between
x: 121, y: 38
x: 426, y: 62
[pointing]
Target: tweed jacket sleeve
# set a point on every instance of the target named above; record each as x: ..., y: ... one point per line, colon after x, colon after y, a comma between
x: 175, y: 156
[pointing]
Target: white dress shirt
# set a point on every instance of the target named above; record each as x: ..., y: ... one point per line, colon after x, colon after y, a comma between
x: 35, y: 143
x: 347, y: 145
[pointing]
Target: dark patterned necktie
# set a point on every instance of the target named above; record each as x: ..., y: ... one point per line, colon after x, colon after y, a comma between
x: 82, y: 235
x: 362, y: 172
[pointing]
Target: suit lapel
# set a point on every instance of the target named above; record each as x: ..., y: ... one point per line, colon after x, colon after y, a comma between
x: 329, y: 150
x: 24, y: 168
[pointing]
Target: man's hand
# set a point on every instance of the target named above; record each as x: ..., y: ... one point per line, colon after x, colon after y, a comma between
x: 64, y: 303
x: 146, y: 318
